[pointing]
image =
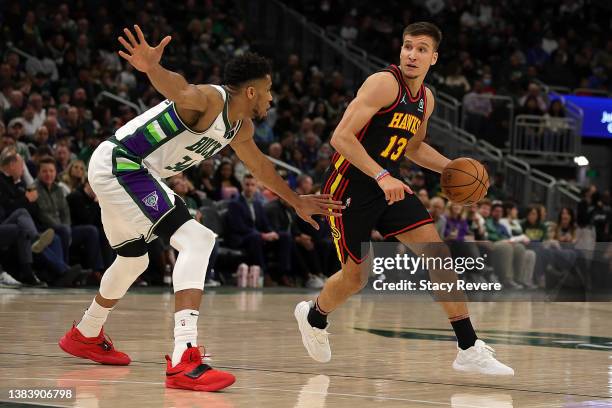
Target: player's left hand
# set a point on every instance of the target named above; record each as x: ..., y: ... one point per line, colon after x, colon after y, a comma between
x: 321, y: 204
x: 139, y: 53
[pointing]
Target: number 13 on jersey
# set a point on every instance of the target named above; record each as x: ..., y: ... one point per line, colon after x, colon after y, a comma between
x: 395, y: 148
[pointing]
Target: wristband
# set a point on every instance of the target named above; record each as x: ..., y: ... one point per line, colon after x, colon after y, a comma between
x: 381, y: 174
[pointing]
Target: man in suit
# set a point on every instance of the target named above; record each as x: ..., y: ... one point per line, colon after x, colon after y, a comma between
x: 249, y: 229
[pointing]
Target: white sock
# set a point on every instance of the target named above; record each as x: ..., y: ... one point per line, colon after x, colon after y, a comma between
x: 93, y: 320
x: 185, y: 331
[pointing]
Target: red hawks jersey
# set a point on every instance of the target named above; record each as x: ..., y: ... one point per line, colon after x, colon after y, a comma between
x: 386, y: 135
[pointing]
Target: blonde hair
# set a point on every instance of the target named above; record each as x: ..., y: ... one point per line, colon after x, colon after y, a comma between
x: 69, y: 180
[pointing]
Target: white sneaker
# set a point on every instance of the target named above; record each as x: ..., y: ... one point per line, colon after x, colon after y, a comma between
x: 479, y: 359
x: 315, y: 340
x: 211, y: 283
x: 7, y: 281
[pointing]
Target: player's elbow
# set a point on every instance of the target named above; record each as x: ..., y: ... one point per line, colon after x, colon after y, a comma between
x: 338, y: 140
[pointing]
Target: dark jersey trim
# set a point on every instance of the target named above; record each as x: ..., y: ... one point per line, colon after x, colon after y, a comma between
x: 398, y: 98
x: 401, y: 77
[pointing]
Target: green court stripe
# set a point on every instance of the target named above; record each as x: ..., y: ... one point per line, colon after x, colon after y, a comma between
x: 170, y: 122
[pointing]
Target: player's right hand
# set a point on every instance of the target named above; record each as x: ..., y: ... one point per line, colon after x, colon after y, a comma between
x: 140, y: 54
x: 394, y: 189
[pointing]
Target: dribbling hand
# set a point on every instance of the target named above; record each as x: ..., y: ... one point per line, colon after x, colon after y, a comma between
x: 394, y: 189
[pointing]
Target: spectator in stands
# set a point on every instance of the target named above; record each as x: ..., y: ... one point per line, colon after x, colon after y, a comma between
x: 565, y: 229
x: 533, y: 93
x: 205, y: 177
x: 423, y: 195
x: 437, y: 212
x: 600, y: 216
x: 41, y: 137
x: 181, y: 187
x: 309, y: 147
x: 73, y: 177
x: 39, y: 112
x: 226, y: 185
x: 55, y: 213
x: 250, y: 230
x: 537, y: 232
x: 349, y: 31
x: 85, y: 210
x: 456, y: 83
x: 530, y: 107
x: 320, y: 168
x: 498, y: 234
x: 305, y: 260
x: 62, y: 156
x: 178, y: 184
x: 582, y: 216
x: 16, y: 133
x: 16, y: 102
x: 417, y: 181
x: 512, y: 76
x: 513, y: 225
x: 533, y: 226
x: 456, y: 228
x: 477, y: 108
x: 20, y: 203
x: 496, y: 190
x: 603, y: 58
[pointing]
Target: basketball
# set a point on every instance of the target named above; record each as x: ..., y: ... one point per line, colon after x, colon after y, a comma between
x: 464, y: 181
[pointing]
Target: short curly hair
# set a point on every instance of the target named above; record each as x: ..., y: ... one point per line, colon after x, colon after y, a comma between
x: 244, y: 68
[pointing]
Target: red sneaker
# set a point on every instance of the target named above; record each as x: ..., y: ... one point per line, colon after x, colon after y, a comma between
x: 192, y: 374
x: 99, y: 349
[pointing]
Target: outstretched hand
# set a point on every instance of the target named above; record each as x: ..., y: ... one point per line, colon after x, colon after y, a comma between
x: 313, y: 204
x: 139, y: 53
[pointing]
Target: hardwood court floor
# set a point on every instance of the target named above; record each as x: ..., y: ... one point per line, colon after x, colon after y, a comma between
x: 387, y: 351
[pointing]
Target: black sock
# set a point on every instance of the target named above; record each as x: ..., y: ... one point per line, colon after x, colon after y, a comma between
x: 466, y: 337
x: 316, y: 318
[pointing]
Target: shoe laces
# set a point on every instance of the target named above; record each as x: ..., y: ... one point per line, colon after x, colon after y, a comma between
x: 320, y: 334
x: 485, y: 351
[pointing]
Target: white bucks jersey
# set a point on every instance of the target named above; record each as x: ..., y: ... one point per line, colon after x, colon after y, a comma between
x: 167, y: 146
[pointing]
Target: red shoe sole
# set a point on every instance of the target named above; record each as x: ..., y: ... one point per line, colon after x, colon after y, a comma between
x: 214, y: 386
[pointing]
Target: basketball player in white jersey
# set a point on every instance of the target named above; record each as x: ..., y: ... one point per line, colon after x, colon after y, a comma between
x: 192, y: 124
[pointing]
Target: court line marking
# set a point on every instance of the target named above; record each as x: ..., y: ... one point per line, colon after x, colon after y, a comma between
x: 251, y: 388
x: 484, y: 386
x: 36, y: 404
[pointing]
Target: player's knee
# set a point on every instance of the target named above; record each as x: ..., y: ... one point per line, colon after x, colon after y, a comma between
x: 193, y: 235
x: 195, y: 243
x: 121, y: 274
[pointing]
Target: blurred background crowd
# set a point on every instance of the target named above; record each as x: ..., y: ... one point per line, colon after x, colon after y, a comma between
x: 58, y: 66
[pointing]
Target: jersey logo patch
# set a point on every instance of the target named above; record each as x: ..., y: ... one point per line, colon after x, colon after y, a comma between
x: 421, y: 105
x: 404, y: 100
x: 151, y: 200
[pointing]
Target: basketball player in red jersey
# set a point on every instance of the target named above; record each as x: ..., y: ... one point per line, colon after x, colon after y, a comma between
x: 386, y: 121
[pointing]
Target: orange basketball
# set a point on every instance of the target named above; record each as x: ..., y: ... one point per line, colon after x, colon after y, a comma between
x: 464, y: 181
